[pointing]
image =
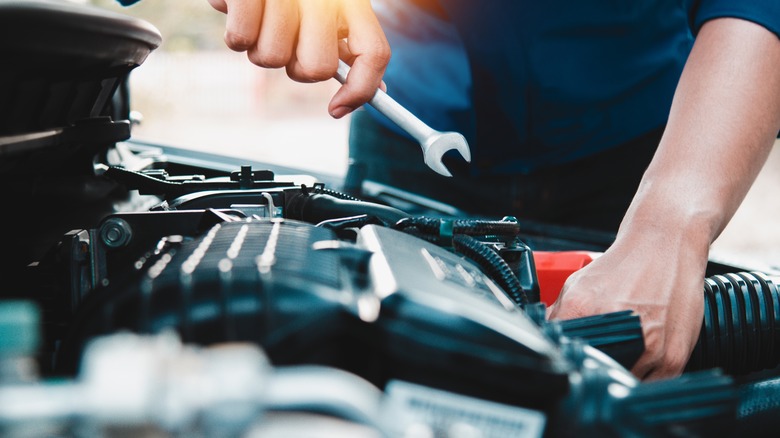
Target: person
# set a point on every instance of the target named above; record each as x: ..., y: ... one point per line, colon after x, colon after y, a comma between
x: 593, y: 86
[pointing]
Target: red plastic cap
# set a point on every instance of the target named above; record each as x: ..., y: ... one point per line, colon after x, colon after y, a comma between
x: 553, y: 268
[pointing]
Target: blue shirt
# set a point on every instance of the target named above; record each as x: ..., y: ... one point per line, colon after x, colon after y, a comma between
x: 539, y: 83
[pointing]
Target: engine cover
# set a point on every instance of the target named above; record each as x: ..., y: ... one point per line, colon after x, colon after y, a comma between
x: 391, y: 306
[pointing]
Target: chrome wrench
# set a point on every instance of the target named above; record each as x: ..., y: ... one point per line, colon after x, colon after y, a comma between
x: 434, y: 144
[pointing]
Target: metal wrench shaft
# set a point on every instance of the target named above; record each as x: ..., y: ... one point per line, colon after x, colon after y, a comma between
x: 433, y: 143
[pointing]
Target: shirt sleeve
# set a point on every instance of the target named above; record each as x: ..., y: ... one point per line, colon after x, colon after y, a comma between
x: 763, y: 12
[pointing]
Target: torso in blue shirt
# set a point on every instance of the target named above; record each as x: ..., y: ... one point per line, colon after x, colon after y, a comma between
x: 536, y: 83
x: 549, y: 82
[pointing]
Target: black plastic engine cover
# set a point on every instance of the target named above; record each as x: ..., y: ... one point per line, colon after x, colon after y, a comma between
x: 256, y: 281
x: 384, y: 308
x: 448, y: 325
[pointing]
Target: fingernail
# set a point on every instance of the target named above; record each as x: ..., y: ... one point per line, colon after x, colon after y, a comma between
x: 341, y: 111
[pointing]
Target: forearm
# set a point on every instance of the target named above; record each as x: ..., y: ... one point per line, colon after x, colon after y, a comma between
x: 723, y: 122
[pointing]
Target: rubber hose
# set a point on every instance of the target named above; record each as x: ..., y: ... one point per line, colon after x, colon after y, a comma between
x: 317, y: 207
x: 493, y: 265
x: 741, y: 323
x: 759, y: 408
x: 335, y: 194
x: 470, y: 227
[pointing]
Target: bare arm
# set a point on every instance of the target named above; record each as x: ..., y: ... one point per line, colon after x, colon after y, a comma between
x: 307, y: 37
x: 723, y: 122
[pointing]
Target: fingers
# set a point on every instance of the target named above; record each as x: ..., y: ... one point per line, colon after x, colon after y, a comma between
x: 316, y: 54
x: 651, y: 361
x: 219, y: 5
x: 243, y: 22
x: 668, y: 345
x: 661, y: 364
x: 368, y: 52
x: 275, y: 46
x: 308, y: 37
x: 346, y: 55
x: 575, y: 300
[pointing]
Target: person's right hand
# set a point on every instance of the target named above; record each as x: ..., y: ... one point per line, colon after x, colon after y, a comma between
x: 308, y: 37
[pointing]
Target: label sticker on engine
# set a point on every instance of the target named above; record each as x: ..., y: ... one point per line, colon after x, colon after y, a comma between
x: 445, y: 413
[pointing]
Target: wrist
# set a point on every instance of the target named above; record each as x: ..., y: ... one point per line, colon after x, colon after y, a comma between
x: 674, y: 214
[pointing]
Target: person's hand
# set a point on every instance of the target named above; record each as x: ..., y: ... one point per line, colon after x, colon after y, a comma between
x: 308, y: 37
x: 660, y: 275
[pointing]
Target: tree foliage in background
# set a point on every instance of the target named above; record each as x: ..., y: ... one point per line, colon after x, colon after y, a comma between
x: 186, y: 25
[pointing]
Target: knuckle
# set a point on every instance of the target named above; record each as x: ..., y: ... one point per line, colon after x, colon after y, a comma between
x: 654, y: 348
x: 675, y: 365
x: 674, y: 361
x: 663, y: 357
x: 315, y: 72
x: 237, y: 41
x: 386, y: 53
x: 380, y: 55
x: 268, y: 59
x: 574, y: 306
x: 569, y: 283
x: 382, y: 52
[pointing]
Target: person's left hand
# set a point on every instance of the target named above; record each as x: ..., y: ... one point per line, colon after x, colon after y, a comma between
x: 660, y: 275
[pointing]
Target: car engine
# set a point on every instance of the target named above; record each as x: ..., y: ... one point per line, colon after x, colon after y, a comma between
x: 154, y: 291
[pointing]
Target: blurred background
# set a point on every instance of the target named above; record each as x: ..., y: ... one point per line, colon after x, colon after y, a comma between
x: 193, y: 92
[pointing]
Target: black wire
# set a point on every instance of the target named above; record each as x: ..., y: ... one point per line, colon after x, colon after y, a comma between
x: 472, y: 227
x: 493, y: 265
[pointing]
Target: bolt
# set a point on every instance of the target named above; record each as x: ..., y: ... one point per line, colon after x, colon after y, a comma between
x: 116, y: 233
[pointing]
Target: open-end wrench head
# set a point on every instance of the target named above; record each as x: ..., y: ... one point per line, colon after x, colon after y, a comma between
x: 437, y: 145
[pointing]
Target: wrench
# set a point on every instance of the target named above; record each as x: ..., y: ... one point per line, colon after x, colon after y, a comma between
x: 434, y: 143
